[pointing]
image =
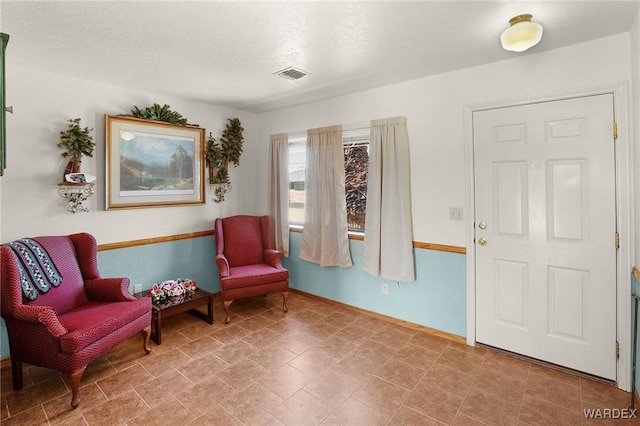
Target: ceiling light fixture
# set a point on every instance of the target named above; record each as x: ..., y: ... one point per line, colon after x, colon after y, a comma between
x: 521, y: 34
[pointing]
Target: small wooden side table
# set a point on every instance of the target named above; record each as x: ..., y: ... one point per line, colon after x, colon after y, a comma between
x: 177, y: 305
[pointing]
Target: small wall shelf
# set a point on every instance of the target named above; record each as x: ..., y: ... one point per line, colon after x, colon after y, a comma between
x: 219, y: 190
x: 76, y: 195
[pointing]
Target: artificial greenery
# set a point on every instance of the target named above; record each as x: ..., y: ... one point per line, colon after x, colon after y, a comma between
x: 159, y: 113
x: 215, y: 159
x: 231, y: 141
x: 76, y: 141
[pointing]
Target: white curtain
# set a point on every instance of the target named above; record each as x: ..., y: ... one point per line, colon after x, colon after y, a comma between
x: 279, y: 190
x: 388, y: 239
x: 325, y: 238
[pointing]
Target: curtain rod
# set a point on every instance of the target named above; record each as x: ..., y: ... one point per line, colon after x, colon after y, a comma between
x: 345, y: 128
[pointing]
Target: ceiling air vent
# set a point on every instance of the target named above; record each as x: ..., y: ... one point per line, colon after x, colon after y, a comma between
x: 291, y: 73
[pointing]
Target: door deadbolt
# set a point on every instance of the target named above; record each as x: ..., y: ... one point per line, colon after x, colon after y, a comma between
x: 482, y: 225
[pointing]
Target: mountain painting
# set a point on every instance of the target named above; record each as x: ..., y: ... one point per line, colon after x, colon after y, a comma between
x: 152, y: 164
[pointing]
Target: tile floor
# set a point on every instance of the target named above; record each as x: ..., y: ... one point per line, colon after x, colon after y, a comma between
x: 318, y: 364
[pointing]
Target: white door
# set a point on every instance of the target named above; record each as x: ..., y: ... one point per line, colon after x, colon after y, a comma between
x: 545, y: 231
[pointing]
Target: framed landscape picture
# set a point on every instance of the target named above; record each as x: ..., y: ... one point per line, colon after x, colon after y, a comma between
x: 152, y: 164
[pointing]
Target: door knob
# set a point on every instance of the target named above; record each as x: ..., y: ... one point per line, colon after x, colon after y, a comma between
x: 482, y: 241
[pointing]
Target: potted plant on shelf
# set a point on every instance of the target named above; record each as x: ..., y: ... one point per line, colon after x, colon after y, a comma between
x: 76, y: 142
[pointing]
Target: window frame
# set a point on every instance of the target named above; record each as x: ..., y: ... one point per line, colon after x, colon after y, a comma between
x: 350, y: 137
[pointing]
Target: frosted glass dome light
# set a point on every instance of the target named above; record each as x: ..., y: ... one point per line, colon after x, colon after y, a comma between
x: 522, y: 34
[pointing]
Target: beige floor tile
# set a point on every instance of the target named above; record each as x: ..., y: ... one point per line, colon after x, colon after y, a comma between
x: 508, y: 365
x: 334, y: 388
x: 156, y: 391
x: 400, y: 373
x: 353, y: 412
x: 448, y: 379
x: 393, y: 335
x: 285, y: 381
x: 417, y: 356
x: 460, y: 360
x: 301, y: 409
x: 318, y: 364
x: 31, y: 417
x: 172, y: 412
x: 553, y: 391
x: 59, y: 409
x: 432, y: 401
x: 381, y: 395
x: 116, y: 411
x: 375, y: 351
x: 200, y: 396
x: 490, y: 408
x: 252, y: 405
x: 406, y: 416
x: 242, y: 374
x: 538, y: 412
x: 312, y: 362
x: 200, y: 368
x: 216, y: 416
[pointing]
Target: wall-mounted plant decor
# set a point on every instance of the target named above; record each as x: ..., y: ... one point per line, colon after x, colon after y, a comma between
x: 218, y: 157
x: 159, y: 113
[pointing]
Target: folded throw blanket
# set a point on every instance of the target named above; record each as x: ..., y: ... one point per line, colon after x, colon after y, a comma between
x: 36, y: 267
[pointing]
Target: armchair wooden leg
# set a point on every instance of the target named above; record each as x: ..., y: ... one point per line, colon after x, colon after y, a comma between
x: 16, y: 374
x: 226, y: 304
x: 74, y: 379
x: 285, y: 297
x: 145, y: 342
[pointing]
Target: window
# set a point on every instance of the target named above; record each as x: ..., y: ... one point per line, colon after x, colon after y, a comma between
x: 356, y: 164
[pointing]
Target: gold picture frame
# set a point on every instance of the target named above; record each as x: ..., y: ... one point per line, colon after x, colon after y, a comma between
x: 152, y: 164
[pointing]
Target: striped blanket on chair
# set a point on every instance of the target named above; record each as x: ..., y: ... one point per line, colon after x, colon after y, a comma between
x: 37, y: 271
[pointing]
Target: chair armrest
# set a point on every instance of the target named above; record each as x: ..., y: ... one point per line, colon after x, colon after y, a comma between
x: 223, y: 265
x: 273, y: 257
x: 108, y: 290
x: 44, y: 315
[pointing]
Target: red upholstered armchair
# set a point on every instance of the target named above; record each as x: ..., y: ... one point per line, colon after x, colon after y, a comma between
x: 73, y: 323
x: 247, y: 263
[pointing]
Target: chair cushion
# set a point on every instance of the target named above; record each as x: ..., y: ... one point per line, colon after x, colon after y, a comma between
x: 250, y: 275
x: 94, y: 320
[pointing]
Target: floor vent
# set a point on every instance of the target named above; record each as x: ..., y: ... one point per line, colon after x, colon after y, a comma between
x: 291, y: 73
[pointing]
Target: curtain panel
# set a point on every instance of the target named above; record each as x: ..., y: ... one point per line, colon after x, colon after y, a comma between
x: 279, y: 190
x: 388, y: 239
x: 325, y: 238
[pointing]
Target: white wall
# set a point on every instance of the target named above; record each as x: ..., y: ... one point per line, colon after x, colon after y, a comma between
x: 42, y: 103
x: 434, y: 107
x: 635, y: 70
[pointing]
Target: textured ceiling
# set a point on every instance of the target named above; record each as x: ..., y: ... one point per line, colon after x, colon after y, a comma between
x: 226, y: 53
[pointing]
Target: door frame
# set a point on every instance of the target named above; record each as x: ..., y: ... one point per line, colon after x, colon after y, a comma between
x: 624, y: 160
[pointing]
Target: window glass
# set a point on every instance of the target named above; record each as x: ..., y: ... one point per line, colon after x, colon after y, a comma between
x: 356, y: 164
x: 296, y: 180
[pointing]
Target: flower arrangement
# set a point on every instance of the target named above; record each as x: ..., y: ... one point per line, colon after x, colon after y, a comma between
x: 170, y: 288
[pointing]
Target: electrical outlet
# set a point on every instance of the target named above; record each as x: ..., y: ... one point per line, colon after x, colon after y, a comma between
x: 137, y: 288
x: 385, y: 288
x: 455, y: 213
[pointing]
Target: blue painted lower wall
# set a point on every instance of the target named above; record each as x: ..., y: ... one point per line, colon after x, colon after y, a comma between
x: 436, y: 299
